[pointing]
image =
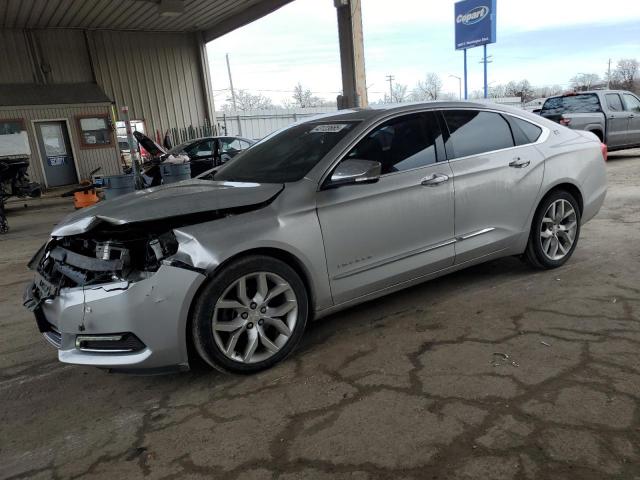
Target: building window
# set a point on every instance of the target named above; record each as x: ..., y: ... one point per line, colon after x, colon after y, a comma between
x: 13, y: 138
x: 11, y: 126
x: 95, y: 131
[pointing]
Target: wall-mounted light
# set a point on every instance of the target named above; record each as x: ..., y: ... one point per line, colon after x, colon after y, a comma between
x: 171, y: 8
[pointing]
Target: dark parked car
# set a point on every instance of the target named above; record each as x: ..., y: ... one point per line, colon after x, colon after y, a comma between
x: 201, y: 151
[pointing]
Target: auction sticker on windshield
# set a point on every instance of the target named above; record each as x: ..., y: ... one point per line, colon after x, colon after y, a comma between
x: 329, y: 128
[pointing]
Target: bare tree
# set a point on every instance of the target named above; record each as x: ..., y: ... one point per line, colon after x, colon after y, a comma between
x: 547, y: 91
x: 584, y: 81
x: 625, y: 74
x: 248, y: 101
x: 522, y: 89
x: 398, y: 94
x: 429, y: 89
x: 497, y: 91
x: 304, y: 97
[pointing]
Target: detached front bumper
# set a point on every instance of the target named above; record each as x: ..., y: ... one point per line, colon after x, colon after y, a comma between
x: 153, y: 311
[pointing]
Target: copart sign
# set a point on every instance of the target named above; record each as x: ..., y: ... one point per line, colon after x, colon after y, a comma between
x: 475, y: 23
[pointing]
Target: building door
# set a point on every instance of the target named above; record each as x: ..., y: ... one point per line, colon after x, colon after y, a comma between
x: 56, y: 154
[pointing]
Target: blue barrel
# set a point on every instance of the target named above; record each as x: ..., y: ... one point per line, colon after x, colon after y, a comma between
x: 175, y: 172
x: 116, y: 185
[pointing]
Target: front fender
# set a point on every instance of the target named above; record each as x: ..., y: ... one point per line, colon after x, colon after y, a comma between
x: 208, y: 245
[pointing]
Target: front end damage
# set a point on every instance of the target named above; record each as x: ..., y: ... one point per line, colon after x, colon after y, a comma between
x: 114, y: 285
x: 114, y: 297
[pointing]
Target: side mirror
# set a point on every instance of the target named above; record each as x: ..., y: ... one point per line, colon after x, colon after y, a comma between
x: 351, y: 172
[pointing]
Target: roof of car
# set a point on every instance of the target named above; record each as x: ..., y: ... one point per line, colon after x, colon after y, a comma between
x: 378, y: 110
x: 572, y: 94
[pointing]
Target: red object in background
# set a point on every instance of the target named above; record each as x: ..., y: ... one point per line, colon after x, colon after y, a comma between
x: 564, y: 121
x: 158, y: 137
x: 143, y: 152
x: 605, y: 151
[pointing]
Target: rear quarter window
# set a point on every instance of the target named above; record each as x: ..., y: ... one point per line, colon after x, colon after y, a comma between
x: 523, y: 132
x: 581, y: 103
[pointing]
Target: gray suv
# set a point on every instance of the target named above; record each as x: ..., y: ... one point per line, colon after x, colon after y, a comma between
x: 320, y: 216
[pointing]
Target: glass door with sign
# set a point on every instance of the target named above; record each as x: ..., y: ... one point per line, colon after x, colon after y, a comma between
x: 55, y: 150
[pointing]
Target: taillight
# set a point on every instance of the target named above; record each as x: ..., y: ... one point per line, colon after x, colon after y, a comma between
x: 564, y: 121
x: 603, y: 148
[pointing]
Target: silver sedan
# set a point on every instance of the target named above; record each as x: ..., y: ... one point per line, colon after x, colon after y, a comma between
x: 320, y: 216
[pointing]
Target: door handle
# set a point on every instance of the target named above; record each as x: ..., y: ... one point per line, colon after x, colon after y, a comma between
x: 435, y: 180
x: 519, y: 163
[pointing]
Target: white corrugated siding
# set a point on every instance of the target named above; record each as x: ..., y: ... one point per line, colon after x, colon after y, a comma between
x: 87, y: 159
x: 157, y: 75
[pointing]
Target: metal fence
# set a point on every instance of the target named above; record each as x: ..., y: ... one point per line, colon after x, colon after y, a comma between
x: 256, y: 124
x: 180, y: 135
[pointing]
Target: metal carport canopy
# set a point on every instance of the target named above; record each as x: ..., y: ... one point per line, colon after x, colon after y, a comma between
x: 210, y: 18
x: 213, y: 18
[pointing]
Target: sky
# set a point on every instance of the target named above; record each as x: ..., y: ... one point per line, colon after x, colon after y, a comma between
x: 544, y: 41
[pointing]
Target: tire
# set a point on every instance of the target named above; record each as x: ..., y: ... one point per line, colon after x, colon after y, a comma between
x: 234, y: 330
x: 541, y: 252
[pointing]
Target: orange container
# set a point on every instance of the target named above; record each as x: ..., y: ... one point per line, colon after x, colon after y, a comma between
x: 85, y: 199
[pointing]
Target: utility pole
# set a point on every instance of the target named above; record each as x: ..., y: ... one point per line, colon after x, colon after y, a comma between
x: 486, y: 59
x: 609, y: 75
x: 390, y: 79
x: 233, y: 96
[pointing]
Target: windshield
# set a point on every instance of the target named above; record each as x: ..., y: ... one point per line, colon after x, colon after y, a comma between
x: 180, y: 148
x: 583, y: 103
x: 286, y: 156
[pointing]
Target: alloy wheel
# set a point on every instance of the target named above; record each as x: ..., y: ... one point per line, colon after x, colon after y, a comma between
x: 558, y: 229
x: 254, y: 317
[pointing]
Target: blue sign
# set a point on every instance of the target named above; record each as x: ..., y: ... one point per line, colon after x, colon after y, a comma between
x: 56, y: 161
x: 475, y: 23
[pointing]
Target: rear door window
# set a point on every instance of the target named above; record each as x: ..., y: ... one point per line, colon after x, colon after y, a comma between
x: 472, y: 132
x: 613, y: 102
x: 632, y: 103
x: 580, y: 103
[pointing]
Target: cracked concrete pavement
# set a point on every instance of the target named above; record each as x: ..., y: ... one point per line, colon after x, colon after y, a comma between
x: 411, y: 386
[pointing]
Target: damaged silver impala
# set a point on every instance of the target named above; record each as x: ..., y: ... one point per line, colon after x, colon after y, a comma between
x: 320, y: 216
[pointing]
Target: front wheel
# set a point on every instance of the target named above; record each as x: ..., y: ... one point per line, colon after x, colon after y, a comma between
x: 250, y: 316
x: 554, y: 232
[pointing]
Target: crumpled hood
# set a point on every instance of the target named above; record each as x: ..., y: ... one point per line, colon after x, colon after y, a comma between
x: 174, y: 200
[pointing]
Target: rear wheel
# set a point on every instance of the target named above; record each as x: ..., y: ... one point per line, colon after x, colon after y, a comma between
x: 554, y: 232
x: 250, y: 316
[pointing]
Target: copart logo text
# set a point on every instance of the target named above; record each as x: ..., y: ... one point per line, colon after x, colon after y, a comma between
x: 474, y: 15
